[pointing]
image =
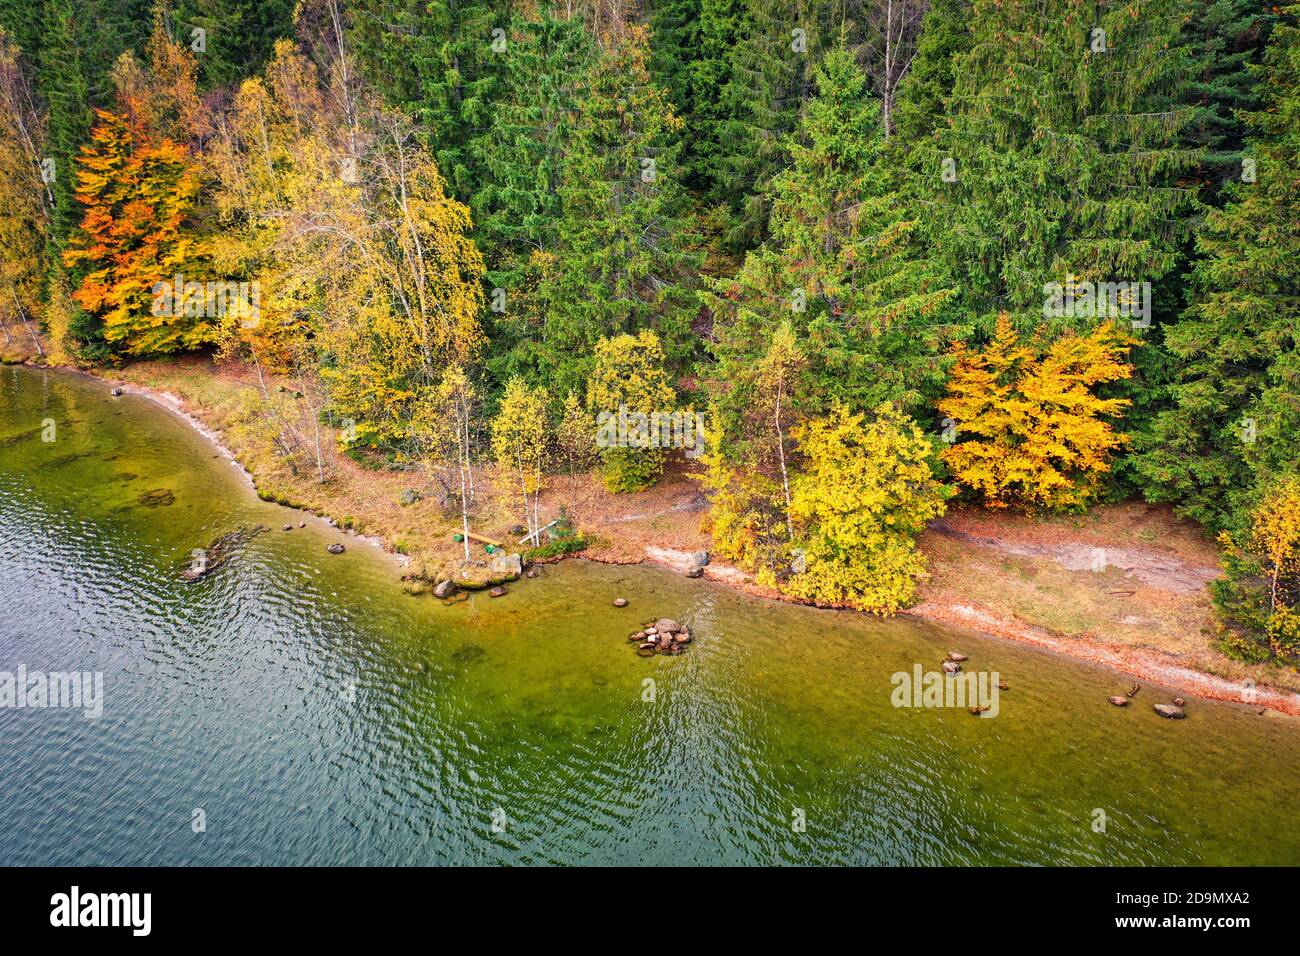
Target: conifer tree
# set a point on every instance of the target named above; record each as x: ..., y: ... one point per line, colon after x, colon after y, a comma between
x: 1060, y: 157
x: 623, y: 246
x: 1234, y: 420
x: 841, y: 264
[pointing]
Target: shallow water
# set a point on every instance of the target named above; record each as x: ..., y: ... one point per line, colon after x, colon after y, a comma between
x: 316, y: 714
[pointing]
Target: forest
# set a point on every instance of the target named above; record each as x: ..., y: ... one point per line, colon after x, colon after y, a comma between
x: 1033, y: 256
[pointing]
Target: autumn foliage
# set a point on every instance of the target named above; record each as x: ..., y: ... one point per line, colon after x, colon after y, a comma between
x: 1032, y: 430
x: 139, y: 195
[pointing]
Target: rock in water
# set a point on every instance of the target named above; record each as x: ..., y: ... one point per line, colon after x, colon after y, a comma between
x: 666, y: 625
x: 700, y: 558
x: 951, y: 667
x: 954, y: 656
x: 1179, y: 701
x: 336, y: 548
x: 620, y: 602
x: 696, y: 572
x: 497, y: 592
x: 1172, y: 711
x: 444, y: 589
x: 1119, y: 701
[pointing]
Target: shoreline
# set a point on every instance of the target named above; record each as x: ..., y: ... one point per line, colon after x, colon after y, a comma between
x: 177, y: 406
x: 1160, y: 668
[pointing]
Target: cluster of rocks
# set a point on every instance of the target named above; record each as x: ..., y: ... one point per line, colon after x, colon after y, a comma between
x: 490, y: 575
x: 664, y: 636
x: 1172, y: 711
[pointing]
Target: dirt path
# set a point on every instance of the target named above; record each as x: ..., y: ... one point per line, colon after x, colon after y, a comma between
x: 1153, y: 568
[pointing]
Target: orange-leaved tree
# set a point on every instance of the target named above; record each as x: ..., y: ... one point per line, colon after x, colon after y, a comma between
x: 139, y: 194
x: 1031, y: 429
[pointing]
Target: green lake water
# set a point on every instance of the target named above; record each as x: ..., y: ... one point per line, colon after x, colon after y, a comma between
x: 316, y: 714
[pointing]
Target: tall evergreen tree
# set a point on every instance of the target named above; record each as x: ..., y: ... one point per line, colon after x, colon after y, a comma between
x: 439, y: 61
x: 945, y: 36
x: 1223, y: 38
x: 1236, y: 417
x: 239, y: 34
x: 623, y: 248
x: 1060, y: 164
x: 841, y: 264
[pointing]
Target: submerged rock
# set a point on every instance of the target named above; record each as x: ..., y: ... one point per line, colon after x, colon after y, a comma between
x: 498, y: 592
x: 1172, y: 711
x: 206, y: 560
x: 951, y: 667
x: 1119, y: 701
x: 954, y: 656
x: 336, y: 548
x: 620, y: 602
x: 158, y: 498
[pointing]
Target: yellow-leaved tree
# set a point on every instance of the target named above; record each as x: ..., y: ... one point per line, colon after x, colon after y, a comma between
x: 519, y: 433
x: 24, y: 207
x: 627, y: 390
x: 1031, y: 429
x: 1259, y: 597
x: 866, y: 489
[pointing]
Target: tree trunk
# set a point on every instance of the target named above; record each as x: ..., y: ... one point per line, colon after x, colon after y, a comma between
x: 785, y: 477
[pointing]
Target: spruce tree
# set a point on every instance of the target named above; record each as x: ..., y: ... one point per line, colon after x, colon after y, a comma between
x: 842, y: 264
x: 1058, y: 160
x: 1235, y: 419
x: 945, y: 36
x: 1222, y: 39
x: 623, y: 246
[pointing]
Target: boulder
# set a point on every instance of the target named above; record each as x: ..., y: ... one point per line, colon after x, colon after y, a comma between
x: 700, y: 558
x: 499, y: 569
x: 336, y: 548
x: 683, y: 638
x: 1172, y: 711
x: 1119, y: 701
x: 696, y: 572
x: 667, y: 624
x: 506, y: 564
x: 444, y: 589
